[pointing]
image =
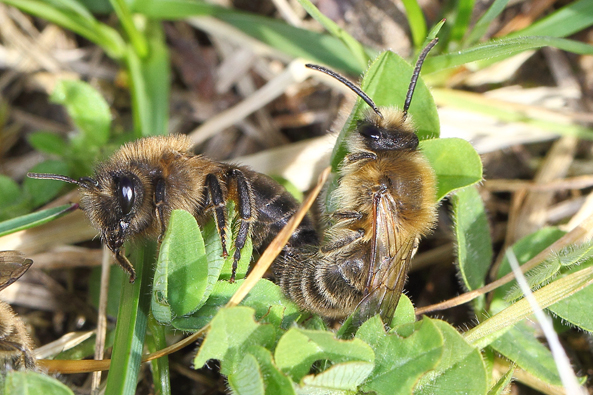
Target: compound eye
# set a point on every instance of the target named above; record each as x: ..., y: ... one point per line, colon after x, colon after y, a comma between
x: 125, y: 194
x: 370, y: 131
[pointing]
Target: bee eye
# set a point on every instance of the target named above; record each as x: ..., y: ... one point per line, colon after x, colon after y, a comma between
x: 370, y: 131
x: 125, y: 194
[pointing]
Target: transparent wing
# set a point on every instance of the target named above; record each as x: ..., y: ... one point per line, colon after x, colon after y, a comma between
x: 391, y: 253
x: 13, y: 265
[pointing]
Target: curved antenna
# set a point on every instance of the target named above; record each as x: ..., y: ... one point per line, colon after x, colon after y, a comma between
x: 84, y: 182
x: 349, y: 84
x: 416, y: 74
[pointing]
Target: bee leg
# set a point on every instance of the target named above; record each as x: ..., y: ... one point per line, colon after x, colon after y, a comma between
x: 217, y: 199
x: 26, y: 353
x: 346, y: 215
x: 125, y: 264
x: 349, y: 238
x: 159, y: 202
x: 245, y: 202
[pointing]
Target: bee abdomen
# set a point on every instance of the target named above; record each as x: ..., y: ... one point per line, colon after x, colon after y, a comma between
x: 318, y: 283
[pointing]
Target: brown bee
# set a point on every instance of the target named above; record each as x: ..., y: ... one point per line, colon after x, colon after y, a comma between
x: 15, y: 343
x: 134, y: 192
x: 386, y: 202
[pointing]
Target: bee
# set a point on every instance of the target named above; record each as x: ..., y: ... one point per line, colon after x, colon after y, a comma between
x: 133, y: 193
x: 386, y: 202
x: 15, y: 343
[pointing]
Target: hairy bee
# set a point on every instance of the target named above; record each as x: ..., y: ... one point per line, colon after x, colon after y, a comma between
x: 15, y: 343
x: 134, y: 192
x: 386, y: 202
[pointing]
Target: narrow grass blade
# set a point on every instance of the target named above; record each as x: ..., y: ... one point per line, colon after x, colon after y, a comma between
x: 34, y: 219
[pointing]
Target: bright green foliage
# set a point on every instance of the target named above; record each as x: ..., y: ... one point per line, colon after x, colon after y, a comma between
x: 455, y: 162
x: 232, y: 332
x: 88, y: 110
x: 458, y: 362
x: 26, y: 383
x: 502, y: 384
x: 472, y: 231
x: 261, y: 298
x: 299, y: 348
x: 401, y: 359
x: 181, y: 274
x: 520, y: 345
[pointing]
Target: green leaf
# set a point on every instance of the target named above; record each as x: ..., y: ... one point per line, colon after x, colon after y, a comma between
x: 474, y: 245
x: 247, y: 378
x: 232, y: 332
x: 521, y: 346
x: 299, y: 348
x: 460, y: 369
x: 503, y: 383
x: 261, y: 297
x: 455, y: 162
x: 48, y: 142
x: 181, y: 272
x: 34, y: 219
x: 356, y: 49
x: 345, y: 376
x: 386, y: 82
x: 43, y: 191
x: 276, y: 382
x: 401, y: 357
x: 26, y: 383
x: 525, y: 249
x: 12, y: 202
x: 88, y: 110
x: 576, y: 308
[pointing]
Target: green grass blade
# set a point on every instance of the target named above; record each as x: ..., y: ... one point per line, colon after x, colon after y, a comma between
x: 296, y: 42
x: 125, y: 17
x: 416, y: 22
x: 34, y: 219
x: 498, y: 49
x: 494, y: 327
x: 131, y: 324
x: 353, y: 45
x: 464, y: 12
x: 99, y: 33
x: 484, y: 22
x: 150, y: 85
x: 568, y: 20
x: 509, y: 112
x: 160, y: 367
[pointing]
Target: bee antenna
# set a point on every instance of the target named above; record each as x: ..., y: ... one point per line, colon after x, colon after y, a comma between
x: 349, y: 84
x: 416, y: 74
x: 84, y: 182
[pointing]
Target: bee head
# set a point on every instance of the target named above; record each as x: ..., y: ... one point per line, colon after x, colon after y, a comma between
x: 388, y: 133
x: 112, y: 201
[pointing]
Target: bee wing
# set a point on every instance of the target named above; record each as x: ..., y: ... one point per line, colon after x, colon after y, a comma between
x: 391, y: 254
x: 13, y: 265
